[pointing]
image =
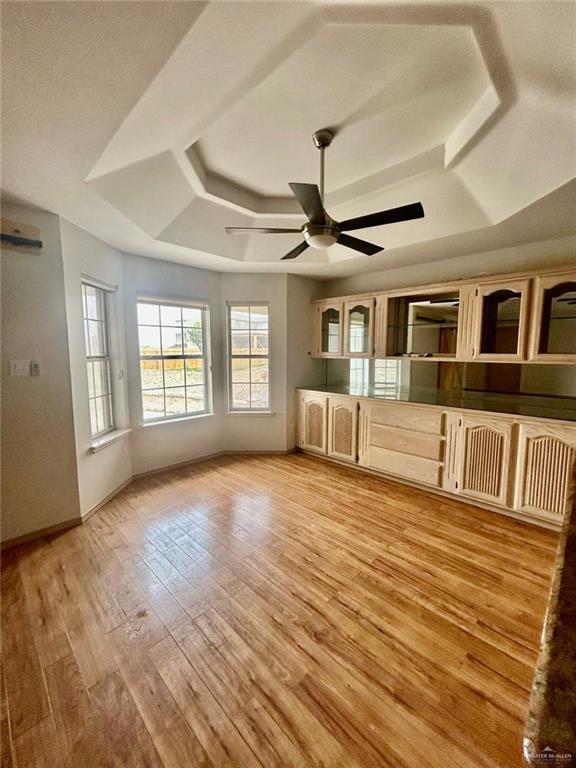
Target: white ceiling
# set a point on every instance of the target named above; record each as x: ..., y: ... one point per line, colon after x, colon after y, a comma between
x: 154, y: 125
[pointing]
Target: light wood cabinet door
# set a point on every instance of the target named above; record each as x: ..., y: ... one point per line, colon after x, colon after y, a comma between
x: 313, y: 422
x: 545, y: 470
x: 466, y: 323
x: 485, y: 454
x: 359, y: 327
x: 553, y: 326
x: 343, y: 428
x: 329, y: 329
x: 501, y: 320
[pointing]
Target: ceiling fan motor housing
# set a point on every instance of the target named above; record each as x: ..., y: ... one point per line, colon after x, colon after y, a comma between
x: 321, y: 235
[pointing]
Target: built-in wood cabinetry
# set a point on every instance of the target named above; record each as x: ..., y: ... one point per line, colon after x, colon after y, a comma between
x: 359, y: 327
x: 329, y: 330
x: 313, y: 422
x: 544, y: 470
x: 484, y: 460
x: 519, y: 464
x: 516, y: 318
x: 553, y: 330
x: 343, y: 428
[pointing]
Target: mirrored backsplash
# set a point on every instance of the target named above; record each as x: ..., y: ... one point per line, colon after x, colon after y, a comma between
x: 388, y: 375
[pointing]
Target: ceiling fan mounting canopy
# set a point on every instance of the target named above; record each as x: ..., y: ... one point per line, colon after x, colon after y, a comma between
x: 321, y: 230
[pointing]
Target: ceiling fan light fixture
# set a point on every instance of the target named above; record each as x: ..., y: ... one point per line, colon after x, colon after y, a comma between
x: 320, y: 237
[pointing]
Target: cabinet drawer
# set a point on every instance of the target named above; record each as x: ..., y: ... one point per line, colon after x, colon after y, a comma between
x: 410, y: 467
x: 407, y: 441
x: 407, y: 417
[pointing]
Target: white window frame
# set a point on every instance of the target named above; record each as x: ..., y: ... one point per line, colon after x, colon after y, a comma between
x: 106, y: 357
x: 204, y: 306
x: 230, y: 356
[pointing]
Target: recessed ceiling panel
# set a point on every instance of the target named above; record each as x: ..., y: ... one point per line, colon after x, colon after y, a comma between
x: 391, y: 92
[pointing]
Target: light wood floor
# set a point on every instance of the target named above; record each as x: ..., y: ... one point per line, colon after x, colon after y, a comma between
x: 273, y: 611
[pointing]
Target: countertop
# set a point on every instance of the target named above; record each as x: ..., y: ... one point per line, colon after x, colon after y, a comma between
x: 535, y: 406
x: 550, y: 734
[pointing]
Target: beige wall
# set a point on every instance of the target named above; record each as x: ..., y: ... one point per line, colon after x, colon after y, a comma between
x: 547, y: 253
x: 84, y: 256
x: 39, y: 473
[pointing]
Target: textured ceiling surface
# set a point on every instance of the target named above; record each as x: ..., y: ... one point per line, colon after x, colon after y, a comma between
x: 155, y: 125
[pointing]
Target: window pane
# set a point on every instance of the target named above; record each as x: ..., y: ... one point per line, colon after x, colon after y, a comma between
x: 90, y: 376
x: 195, y: 399
x: 241, y: 369
x: 149, y: 340
x: 151, y: 374
x: 91, y: 303
x: 191, y: 316
x: 194, y: 372
x: 259, y: 396
x: 175, y: 401
x: 170, y: 315
x: 192, y: 336
x: 240, y: 341
x: 239, y: 318
x: 174, y: 373
x: 241, y: 395
x: 101, y: 381
x: 259, y: 371
x: 153, y: 403
x: 93, y: 418
x: 171, y: 341
x: 96, y: 346
x: 103, y: 413
x: 259, y: 343
x: 148, y: 314
x: 258, y: 317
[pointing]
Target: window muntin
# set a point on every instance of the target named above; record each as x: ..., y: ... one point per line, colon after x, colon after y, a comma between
x: 174, y: 365
x: 249, y: 357
x: 96, y: 338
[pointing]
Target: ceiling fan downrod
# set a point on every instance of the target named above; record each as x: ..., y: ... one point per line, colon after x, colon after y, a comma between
x: 322, y: 139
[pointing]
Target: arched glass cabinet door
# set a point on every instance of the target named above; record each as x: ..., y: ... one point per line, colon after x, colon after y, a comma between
x: 331, y: 331
x: 501, y: 317
x: 554, y: 319
x: 359, y: 327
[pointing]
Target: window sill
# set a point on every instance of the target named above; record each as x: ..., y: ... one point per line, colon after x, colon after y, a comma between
x: 108, y: 439
x: 251, y: 413
x: 179, y: 420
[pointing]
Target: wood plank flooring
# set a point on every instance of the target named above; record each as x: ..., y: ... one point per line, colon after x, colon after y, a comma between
x: 273, y: 611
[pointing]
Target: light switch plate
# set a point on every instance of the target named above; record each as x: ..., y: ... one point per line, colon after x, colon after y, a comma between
x: 19, y: 367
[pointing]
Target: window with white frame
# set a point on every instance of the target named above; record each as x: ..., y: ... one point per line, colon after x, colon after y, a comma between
x: 174, y: 359
x: 97, y: 342
x: 248, y: 356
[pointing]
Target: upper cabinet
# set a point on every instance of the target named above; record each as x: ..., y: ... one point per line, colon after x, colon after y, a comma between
x: 359, y: 327
x: 329, y: 329
x: 501, y: 320
x: 553, y: 332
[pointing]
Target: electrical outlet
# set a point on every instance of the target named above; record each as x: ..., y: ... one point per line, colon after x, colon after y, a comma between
x: 34, y: 368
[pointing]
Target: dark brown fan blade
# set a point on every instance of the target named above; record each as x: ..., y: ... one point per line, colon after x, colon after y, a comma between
x: 393, y: 215
x: 258, y: 230
x: 359, y: 245
x: 308, y: 195
x: 295, y: 251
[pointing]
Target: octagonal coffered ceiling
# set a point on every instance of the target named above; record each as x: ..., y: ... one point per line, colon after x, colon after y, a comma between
x: 438, y: 103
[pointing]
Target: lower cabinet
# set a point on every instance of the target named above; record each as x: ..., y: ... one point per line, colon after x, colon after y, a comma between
x: 312, y: 422
x: 498, y: 460
x: 545, y: 470
x: 343, y: 428
x: 484, y: 463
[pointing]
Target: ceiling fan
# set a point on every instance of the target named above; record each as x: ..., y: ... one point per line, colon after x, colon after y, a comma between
x: 321, y: 230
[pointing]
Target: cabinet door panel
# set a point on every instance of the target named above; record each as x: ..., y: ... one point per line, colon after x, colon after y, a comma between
x: 501, y: 320
x: 545, y: 473
x: 359, y: 328
x: 485, y: 459
x: 329, y: 329
x: 312, y: 422
x: 342, y: 428
x: 553, y: 330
